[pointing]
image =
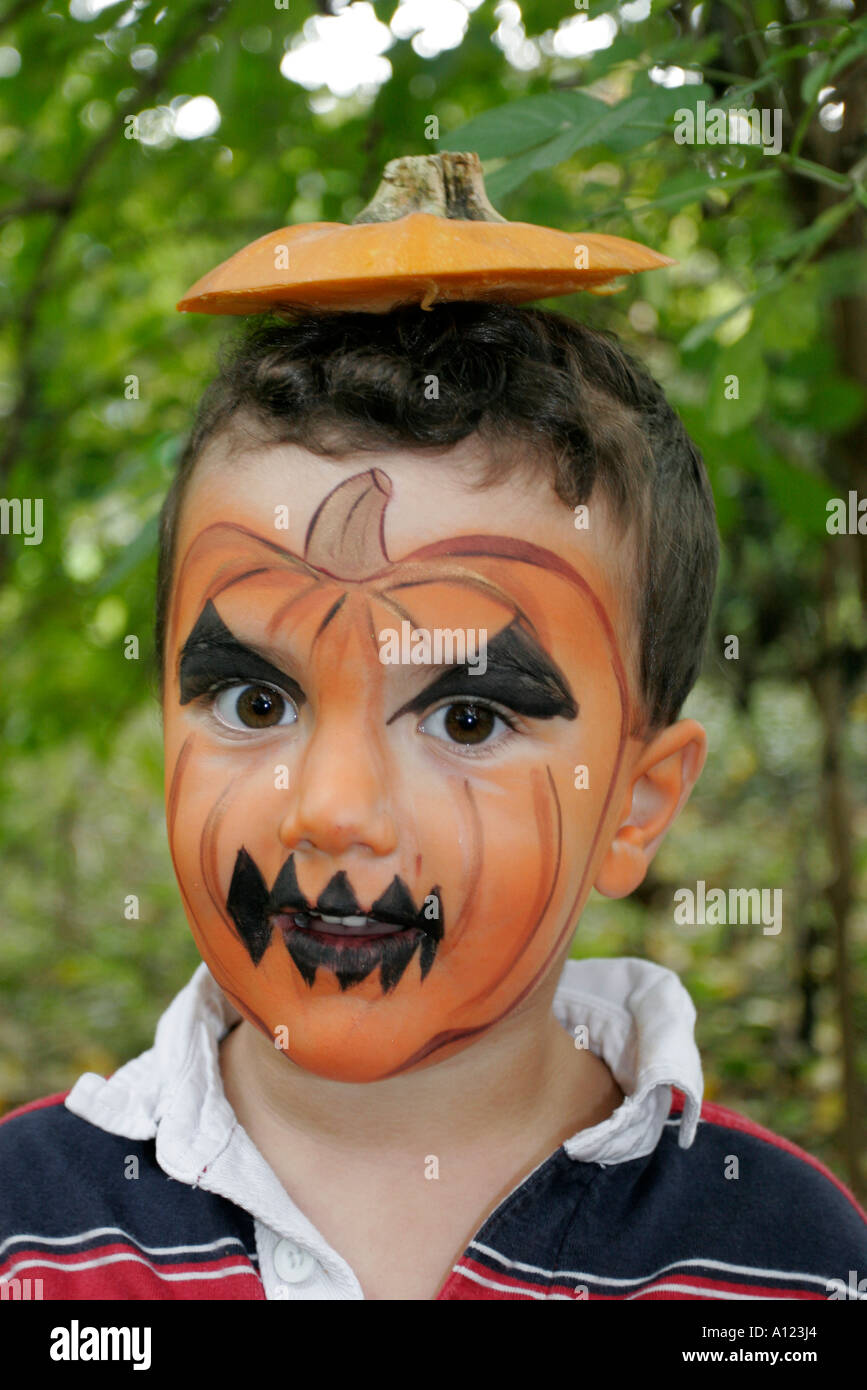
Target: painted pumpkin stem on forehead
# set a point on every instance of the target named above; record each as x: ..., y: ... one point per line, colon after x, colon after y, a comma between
x: 346, y: 535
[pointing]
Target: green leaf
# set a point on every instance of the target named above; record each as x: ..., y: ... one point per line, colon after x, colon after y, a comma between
x: 738, y: 369
x: 524, y: 125
x: 686, y: 188
x: 789, y: 55
x: 664, y: 101
x: 820, y: 76
x: 510, y: 175
x: 738, y: 95
x: 787, y: 320
x: 139, y: 548
x: 800, y: 496
x: 503, y: 180
x: 810, y: 238
x: 656, y: 119
x: 840, y: 273
x: 542, y: 131
x: 706, y: 329
x: 835, y: 405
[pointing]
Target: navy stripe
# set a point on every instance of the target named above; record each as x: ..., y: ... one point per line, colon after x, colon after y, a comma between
x: 61, y: 1176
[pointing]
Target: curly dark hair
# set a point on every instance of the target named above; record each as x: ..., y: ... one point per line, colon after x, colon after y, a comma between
x: 576, y: 403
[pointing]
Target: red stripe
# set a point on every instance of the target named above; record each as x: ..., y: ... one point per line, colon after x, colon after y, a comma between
x: 462, y: 1290
x: 460, y: 1286
x: 135, y: 1282
x: 131, y: 1278
x: 720, y: 1115
x: 99, y: 1252
x: 521, y: 1287
x: 57, y: 1099
x: 702, y: 1281
x: 658, y: 1294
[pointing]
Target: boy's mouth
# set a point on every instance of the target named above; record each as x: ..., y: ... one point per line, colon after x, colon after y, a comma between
x: 353, y: 947
x: 340, y: 929
x: 334, y: 932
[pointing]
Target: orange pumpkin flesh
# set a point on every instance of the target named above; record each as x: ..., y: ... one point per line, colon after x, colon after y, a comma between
x: 397, y: 252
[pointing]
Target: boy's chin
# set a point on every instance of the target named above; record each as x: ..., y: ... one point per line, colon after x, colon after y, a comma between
x: 342, y: 1036
x: 379, y: 1060
x: 362, y: 1009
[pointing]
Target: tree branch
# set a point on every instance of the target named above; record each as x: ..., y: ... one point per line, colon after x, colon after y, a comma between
x: 65, y: 205
x: 40, y: 200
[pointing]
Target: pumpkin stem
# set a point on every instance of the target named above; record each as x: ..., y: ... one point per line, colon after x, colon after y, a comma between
x: 346, y: 534
x: 448, y: 185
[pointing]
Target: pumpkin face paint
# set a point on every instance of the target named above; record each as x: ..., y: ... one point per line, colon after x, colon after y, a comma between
x: 380, y: 860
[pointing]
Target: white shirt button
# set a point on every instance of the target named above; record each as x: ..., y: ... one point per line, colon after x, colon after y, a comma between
x: 292, y: 1263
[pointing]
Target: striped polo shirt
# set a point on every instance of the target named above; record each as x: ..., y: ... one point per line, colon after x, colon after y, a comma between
x: 144, y: 1186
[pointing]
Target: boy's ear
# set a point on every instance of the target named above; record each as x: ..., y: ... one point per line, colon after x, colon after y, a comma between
x: 661, y: 782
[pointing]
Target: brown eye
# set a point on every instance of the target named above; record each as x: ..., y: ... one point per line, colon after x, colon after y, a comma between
x: 254, y: 707
x: 464, y: 722
x: 467, y: 723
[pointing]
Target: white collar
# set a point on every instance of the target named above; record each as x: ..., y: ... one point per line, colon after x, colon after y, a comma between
x: 639, y: 1019
x: 638, y: 1016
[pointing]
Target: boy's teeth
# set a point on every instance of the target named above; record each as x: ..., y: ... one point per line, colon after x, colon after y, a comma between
x: 364, y: 926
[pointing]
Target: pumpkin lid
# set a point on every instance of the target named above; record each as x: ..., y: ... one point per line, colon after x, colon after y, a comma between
x: 428, y: 235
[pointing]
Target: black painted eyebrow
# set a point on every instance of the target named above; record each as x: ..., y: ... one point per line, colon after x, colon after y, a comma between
x: 519, y: 675
x: 212, y: 654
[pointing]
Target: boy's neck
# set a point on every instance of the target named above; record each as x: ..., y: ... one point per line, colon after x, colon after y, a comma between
x: 524, y: 1077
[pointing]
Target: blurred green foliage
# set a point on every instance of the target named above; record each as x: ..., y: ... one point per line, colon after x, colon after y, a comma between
x: 100, y: 236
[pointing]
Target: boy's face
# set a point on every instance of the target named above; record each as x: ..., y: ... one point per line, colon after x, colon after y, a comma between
x: 384, y: 841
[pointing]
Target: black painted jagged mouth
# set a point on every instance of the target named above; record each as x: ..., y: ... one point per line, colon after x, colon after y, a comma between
x: 351, y: 957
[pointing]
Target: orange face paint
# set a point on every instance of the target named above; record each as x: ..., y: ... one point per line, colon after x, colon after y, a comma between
x: 381, y: 859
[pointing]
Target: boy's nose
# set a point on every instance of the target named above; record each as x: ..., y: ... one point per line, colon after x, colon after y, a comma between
x: 339, y: 797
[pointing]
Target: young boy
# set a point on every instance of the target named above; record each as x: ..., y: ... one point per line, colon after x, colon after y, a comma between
x: 423, y: 653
